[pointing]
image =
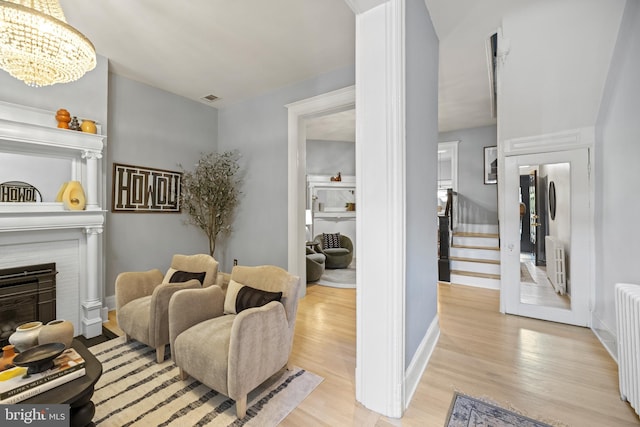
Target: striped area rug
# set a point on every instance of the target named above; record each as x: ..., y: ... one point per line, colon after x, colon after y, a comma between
x: 134, y: 390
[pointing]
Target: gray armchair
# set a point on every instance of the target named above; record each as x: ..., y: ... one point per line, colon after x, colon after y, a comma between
x: 336, y: 257
x: 315, y: 265
x: 235, y: 353
x: 142, y: 297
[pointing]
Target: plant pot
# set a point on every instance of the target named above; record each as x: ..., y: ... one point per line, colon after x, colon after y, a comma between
x: 57, y: 331
x: 26, y: 336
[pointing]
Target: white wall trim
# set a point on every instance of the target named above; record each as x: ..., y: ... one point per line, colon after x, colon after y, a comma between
x: 421, y: 360
x: 380, y: 197
x: 607, y: 338
x: 558, y: 141
x: 110, y: 303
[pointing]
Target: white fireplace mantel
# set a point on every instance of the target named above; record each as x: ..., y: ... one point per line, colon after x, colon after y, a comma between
x: 33, y: 231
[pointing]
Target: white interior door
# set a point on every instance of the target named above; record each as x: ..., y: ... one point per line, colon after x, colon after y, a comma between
x: 575, y: 194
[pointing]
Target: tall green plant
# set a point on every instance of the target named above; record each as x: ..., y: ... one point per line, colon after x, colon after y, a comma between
x: 210, y: 193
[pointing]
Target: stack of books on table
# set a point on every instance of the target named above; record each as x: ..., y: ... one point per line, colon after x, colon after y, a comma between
x: 16, y: 385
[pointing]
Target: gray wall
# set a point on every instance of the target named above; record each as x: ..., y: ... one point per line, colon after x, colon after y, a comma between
x: 421, y: 175
x: 258, y: 129
x: 331, y: 157
x: 555, y: 70
x: 157, y: 129
x: 479, y: 201
x: 617, y: 236
x: 86, y: 97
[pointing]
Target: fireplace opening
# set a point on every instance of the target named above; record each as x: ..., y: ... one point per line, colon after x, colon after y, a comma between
x: 26, y: 294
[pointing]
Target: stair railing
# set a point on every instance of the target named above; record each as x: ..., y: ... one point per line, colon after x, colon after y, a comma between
x: 445, y: 234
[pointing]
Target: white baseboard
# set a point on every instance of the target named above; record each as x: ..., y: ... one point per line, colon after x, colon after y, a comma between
x: 607, y: 338
x: 110, y: 302
x: 420, y: 361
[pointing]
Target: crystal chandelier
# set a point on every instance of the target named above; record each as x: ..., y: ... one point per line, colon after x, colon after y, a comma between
x: 37, y: 45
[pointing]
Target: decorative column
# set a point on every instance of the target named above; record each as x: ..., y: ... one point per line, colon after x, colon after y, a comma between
x: 91, y: 187
x: 92, y: 305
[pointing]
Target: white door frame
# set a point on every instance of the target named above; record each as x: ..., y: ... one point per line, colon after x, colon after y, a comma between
x: 573, y: 147
x: 380, y: 197
x: 299, y: 112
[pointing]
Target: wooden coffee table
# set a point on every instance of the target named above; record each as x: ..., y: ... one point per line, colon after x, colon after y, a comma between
x: 76, y: 393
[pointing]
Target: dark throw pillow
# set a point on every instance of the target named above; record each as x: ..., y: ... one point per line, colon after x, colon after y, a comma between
x: 185, y: 276
x: 330, y: 240
x: 240, y: 297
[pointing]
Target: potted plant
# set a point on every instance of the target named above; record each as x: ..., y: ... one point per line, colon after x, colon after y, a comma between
x: 210, y: 193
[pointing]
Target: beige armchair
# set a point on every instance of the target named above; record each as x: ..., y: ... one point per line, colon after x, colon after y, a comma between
x: 142, y: 297
x: 235, y: 353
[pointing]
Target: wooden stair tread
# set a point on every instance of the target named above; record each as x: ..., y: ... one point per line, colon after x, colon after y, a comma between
x: 473, y: 274
x: 475, y: 234
x: 489, y: 248
x: 485, y: 261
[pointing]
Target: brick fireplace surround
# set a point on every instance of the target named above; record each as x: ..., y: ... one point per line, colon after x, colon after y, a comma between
x: 44, y: 232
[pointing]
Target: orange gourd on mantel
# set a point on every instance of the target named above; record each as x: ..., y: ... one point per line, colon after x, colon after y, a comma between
x: 63, y: 117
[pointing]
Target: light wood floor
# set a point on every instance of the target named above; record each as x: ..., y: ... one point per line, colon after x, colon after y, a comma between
x: 546, y: 370
x: 540, y: 291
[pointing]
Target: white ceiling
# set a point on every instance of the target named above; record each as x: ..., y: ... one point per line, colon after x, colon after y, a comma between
x: 333, y: 127
x: 232, y: 49
x: 242, y: 48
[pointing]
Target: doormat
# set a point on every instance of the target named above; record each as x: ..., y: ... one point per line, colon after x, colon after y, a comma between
x: 466, y: 411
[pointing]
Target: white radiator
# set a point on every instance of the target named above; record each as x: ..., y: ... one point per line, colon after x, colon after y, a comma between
x: 628, y: 330
x: 555, y: 264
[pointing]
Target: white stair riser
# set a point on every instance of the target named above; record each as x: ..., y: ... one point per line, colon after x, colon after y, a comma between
x: 478, y: 282
x: 475, y: 267
x: 478, y: 228
x: 489, y: 242
x: 474, y: 253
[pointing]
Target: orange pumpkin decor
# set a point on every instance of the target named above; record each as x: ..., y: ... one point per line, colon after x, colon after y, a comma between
x: 63, y: 117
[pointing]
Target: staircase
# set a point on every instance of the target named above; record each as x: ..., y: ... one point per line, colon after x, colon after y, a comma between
x: 475, y: 256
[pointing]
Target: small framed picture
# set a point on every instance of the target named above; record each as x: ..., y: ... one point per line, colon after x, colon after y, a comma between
x: 491, y: 165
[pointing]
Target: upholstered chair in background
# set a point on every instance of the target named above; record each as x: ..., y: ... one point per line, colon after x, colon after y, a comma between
x: 315, y: 265
x: 339, y: 254
x: 142, y: 297
x: 234, y: 342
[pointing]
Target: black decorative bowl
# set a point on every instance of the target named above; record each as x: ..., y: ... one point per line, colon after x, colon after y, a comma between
x: 39, y: 358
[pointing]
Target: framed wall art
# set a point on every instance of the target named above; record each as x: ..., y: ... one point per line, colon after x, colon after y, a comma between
x: 491, y: 165
x: 142, y: 189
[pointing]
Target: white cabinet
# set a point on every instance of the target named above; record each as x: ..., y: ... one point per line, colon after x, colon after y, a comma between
x: 332, y: 205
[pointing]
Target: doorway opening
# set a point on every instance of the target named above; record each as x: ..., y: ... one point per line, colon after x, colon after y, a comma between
x: 299, y: 113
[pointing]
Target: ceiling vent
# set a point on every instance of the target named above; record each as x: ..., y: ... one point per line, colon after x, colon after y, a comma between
x: 210, y: 98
